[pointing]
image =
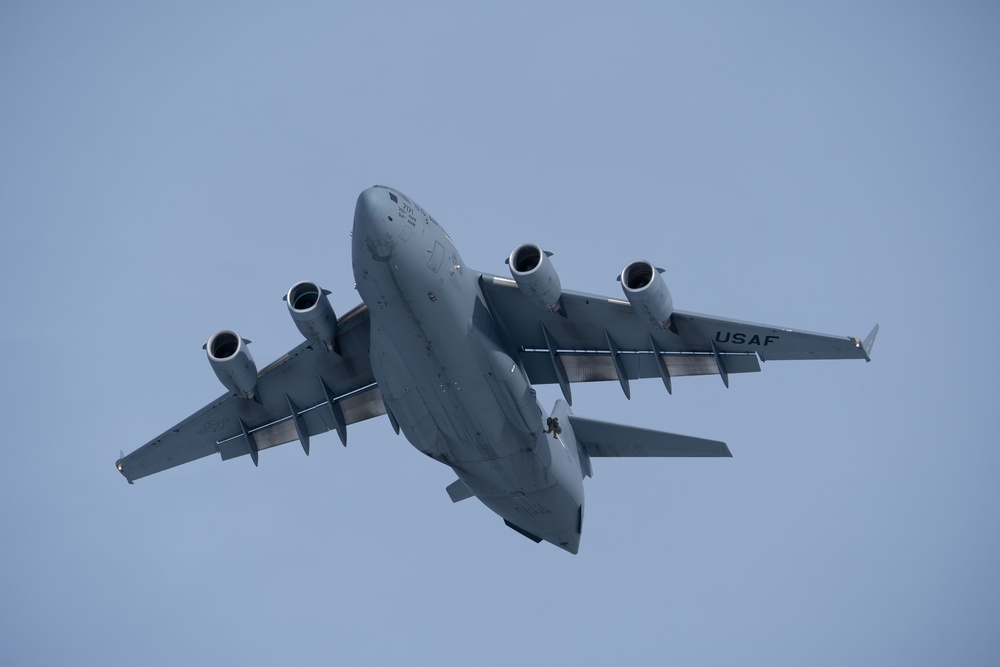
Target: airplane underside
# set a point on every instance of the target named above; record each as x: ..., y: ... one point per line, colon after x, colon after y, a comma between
x: 446, y: 405
x: 449, y: 355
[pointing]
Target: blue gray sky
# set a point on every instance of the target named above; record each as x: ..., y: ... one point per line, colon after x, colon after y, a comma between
x: 170, y: 169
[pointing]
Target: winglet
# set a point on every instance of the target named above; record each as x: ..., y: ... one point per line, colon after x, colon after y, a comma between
x: 869, y: 343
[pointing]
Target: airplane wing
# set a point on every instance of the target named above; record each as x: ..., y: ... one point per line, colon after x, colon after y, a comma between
x: 597, y: 338
x: 306, y: 392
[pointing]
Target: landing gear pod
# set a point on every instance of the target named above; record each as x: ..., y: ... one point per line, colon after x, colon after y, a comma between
x: 230, y: 359
x: 313, y: 315
x: 648, y: 294
x: 534, y: 274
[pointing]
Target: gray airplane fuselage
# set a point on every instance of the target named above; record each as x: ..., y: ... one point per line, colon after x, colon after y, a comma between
x: 446, y: 377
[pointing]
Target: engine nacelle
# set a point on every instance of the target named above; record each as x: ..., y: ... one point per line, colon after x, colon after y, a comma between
x: 232, y: 363
x: 648, y: 294
x: 313, y: 314
x: 535, y: 275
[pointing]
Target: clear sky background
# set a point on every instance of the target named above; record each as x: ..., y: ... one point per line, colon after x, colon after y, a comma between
x: 170, y: 169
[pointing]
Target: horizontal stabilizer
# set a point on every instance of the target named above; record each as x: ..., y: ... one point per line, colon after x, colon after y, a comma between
x: 599, y: 438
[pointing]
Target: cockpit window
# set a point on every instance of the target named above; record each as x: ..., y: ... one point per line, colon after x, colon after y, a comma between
x: 392, y: 196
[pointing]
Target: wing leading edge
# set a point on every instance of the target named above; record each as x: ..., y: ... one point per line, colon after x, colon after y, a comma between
x: 304, y: 393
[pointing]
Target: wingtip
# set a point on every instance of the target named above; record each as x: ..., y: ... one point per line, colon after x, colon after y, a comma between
x: 121, y: 469
x: 869, y: 343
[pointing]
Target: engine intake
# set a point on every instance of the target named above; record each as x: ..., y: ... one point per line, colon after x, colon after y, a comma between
x: 647, y: 292
x: 313, y: 315
x: 534, y: 274
x: 230, y: 359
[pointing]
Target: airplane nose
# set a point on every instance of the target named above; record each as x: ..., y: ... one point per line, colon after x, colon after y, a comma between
x: 373, y: 222
x: 369, y: 211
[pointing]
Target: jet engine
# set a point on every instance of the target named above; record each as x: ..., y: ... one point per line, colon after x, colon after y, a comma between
x: 232, y: 363
x: 313, y: 314
x: 534, y: 274
x: 648, y: 294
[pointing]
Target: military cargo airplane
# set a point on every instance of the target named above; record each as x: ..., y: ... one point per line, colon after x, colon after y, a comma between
x: 449, y: 354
